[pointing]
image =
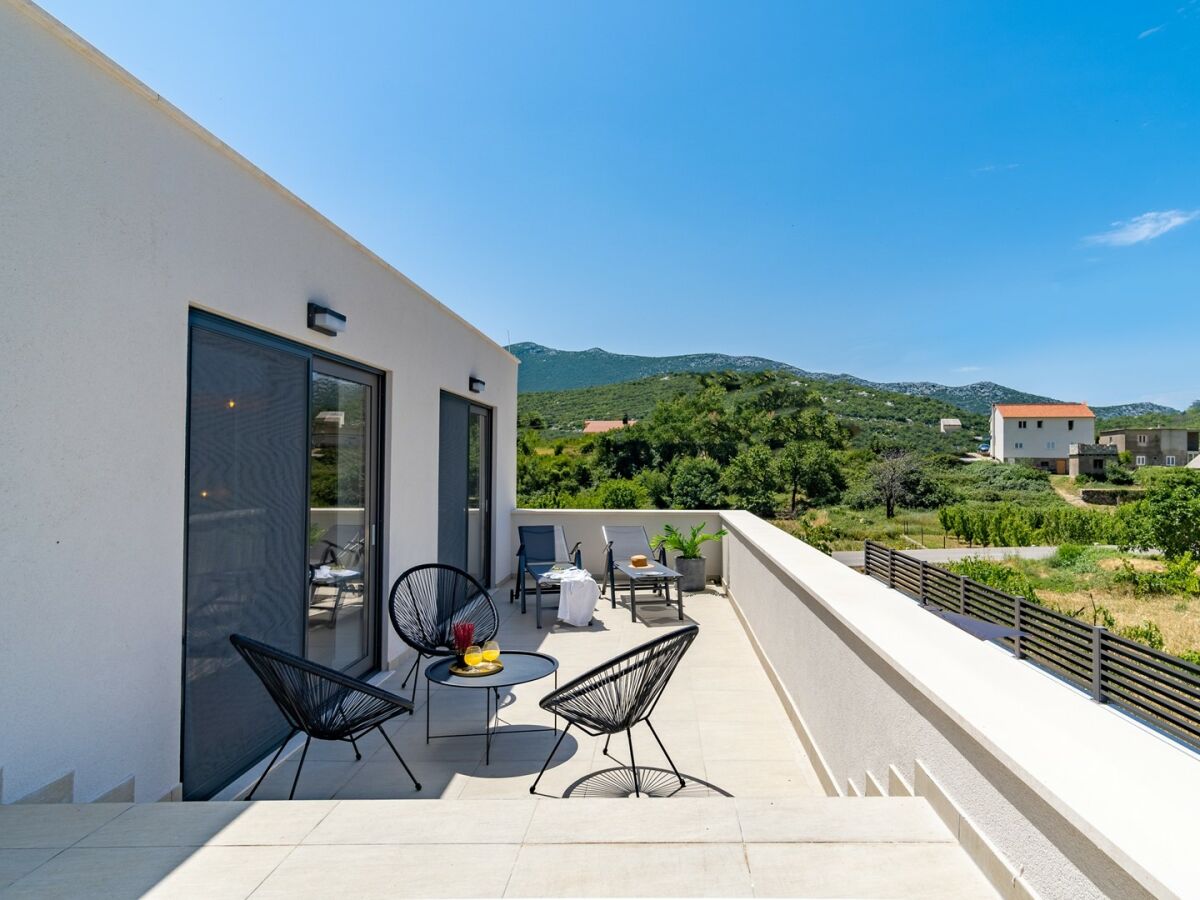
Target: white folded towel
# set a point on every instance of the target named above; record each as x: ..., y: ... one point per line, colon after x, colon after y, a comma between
x: 577, y: 602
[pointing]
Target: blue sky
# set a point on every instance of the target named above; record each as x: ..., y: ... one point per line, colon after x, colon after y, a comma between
x: 916, y: 191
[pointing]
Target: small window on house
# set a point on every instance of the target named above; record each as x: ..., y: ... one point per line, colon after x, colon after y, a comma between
x: 1170, y: 460
x: 1097, y: 464
x: 1049, y: 445
x: 1039, y: 423
x: 1143, y: 439
x: 1018, y: 445
x: 1139, y: 460
x: 1021, y: 423
x: 1070, y: 424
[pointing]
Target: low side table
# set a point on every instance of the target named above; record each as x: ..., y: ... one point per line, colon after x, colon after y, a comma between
x: 520, y: 667
x: 651, y: 575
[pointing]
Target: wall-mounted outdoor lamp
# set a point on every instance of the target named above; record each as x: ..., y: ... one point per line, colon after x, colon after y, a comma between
x: 476, y: 385
x: 325, y: 320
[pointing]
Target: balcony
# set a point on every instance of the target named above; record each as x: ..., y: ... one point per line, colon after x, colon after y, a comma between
x: 836, y: 740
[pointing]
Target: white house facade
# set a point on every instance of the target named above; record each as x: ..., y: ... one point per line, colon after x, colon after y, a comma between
x: 221, y: 413
x: 1040, y: 434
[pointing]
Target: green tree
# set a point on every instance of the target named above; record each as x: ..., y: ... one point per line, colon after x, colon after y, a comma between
x: 696, y: 484
x: 622, y: 494
x: 813, y: 469
x: 658, y: 487
x: 751, y: 480
x: 1171, y: 514
x: 624, y: 452
x: 893, y: 478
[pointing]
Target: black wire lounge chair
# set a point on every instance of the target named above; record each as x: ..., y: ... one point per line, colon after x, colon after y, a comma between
x: 319, y: 701
x: 427, y: 602
x: 619, y: 694
x: 542, y: 546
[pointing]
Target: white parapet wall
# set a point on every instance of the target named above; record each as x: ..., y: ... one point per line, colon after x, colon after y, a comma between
x: 1078, y: 799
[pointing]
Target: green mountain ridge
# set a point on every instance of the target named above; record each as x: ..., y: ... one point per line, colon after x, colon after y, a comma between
x: 549, y: 369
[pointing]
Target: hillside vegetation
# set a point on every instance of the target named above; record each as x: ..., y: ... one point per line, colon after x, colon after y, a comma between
x: 904, y: 421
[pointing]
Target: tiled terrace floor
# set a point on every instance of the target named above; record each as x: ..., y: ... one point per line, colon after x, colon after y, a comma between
x: 720, y: 719
x: 475, y: 831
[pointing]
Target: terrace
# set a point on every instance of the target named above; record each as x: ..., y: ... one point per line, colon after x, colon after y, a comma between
x: 812, y: 708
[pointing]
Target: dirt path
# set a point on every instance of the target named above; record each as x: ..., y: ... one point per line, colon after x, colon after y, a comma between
x: 1071, y: 498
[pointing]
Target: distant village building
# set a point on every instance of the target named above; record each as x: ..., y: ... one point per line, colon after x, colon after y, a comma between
x: 945, y: 426
x: 1040, y: 434
x: 1090, y: 459
x: 1155, y: 446
x: 600, y: 426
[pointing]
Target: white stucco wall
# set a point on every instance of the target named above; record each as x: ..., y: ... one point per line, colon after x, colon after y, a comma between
x: 1088, y: 802
x: 1034, y: 440
x: 117, y: 214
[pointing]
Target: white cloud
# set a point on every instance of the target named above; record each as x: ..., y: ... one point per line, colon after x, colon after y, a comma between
x: 995, y: 167
x: 1150, y: 31
x: 965, y: 369
x: 1145, y: 227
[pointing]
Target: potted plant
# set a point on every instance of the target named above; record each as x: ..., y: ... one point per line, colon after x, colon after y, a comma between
x: 689, y: 563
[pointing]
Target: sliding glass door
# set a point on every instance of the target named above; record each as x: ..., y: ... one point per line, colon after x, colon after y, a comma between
x: 342, y: 514
x: 282, y: 524
x: 465, y: 486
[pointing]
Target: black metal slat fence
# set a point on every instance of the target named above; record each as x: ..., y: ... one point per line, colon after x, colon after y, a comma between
x: 1156, y: 687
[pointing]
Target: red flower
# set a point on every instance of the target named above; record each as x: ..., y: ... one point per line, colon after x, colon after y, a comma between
x: 464, y: 635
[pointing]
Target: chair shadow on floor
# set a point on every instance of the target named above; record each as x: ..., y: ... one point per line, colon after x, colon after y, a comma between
x: 617, y: 782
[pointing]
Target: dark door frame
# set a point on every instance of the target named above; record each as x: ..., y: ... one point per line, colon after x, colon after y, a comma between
x: 230, y: 328
x: 473, y: 406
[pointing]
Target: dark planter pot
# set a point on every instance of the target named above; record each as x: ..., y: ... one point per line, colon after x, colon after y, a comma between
x: 692, y: 571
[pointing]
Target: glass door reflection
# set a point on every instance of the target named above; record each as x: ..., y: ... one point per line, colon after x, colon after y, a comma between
x: 341, y: 532
x: 479, y: 467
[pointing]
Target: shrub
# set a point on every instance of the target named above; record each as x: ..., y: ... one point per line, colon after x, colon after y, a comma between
x: 998, y: 575
x: 1067, y: 556
x: 1179, y: 578
x: 622, y: 494
x: 1191, y: 656
x: 1147, y: 633
x: 696, y: 484
x: 1119, y: 474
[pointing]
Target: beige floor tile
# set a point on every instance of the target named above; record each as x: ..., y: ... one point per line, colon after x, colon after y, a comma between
x: 387, y: 780
x: 16, y: 864
x: 924, y: 871
x: 513, y: 778
x: 365, y: 872
x: 425, y: 822
x: 829, y: 819
x: 52, y: 825
x: 639, y: 870
x: 646, y: 822
x: 318, y: 780
x: 175, y: 872
x: 763, y: 778
x: 738, y: 740
x: 212, y: 823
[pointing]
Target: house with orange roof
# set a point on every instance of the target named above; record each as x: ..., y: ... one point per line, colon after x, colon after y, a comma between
x: 600, y: 426
x: 1040, y: 434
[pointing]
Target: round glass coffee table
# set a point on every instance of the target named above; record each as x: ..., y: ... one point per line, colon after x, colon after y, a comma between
x: 520, y: 667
